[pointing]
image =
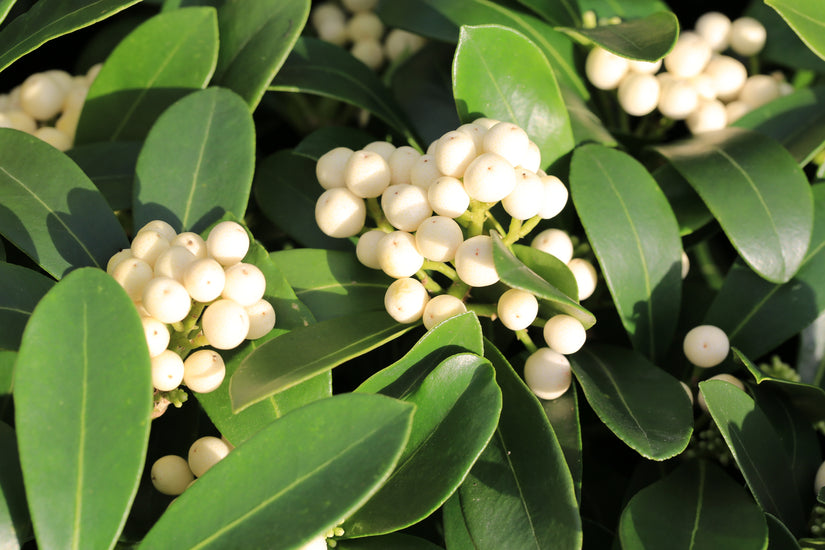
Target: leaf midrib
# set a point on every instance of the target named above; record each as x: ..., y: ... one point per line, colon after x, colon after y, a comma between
x: 210, y: 117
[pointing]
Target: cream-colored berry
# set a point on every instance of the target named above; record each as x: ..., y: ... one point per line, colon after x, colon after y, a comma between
x: 555, y: 242
x: 747, y: 36
x: 399, y: 43
x: 54, y: 137
x: 735, y: 110
x: 586, y: 277
x: 339, y: 213
x: 329, y: 170
x: 441, y: 308
x: 708, y: 116
x: 547, y: 373
x: 532, y: 158
x: 171, y: 475
x: 204, y: 279
x: 517, y: 309
x: 489, y: 178
x: 704, y: 86
x: 166, y: 300
x: 639, y: 94
x: 405, y: 300
x: 644, y: 67
x: 367, y: 174
x: 115, y: 260
x: 507, y: 140
x: 228, y: 243
x: 21, y: 121
x: 157, y: 335
x: 555, y: 197
x: 728, y: 76
x: 685, y: 264
x: 714, y: 27
x: 225, y: 324
x: 205, y: 453
x: 148, y: 245
x: 729, y: 378
x: 41, y: 96
x: 474, y: 261
x: 398, y: 254
x: 261, y: 319
x: 401, y: 162
x: 133, y: 275
x: 706, y: 346
x: 758, y: 90
x: 405, y: 206
x: 424, y: 172
x: 204, y: 371
x: 689, y: 55
x: 438, y: 238
x: 367, y: 248
x: 564, y: 334
x: 244, y: 283
x: 475, y: 131
x: 167, y: 370
x: 365, y: 26
x: 369, y: 52
x: 605, y: 70
x: 454, y: 151
x: 383, y: 148
x: 678, y: 99
x: 173, y: 263
x: 447, y: 197
x: 485, y: 122
x: 526, y: 198
x: 163, y: 228
x: 192, y: 242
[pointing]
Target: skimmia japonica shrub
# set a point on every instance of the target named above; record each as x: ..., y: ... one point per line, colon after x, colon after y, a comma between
x: 415, y: 274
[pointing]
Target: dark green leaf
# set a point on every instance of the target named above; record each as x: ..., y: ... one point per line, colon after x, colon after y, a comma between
x: 757, y: 449
x: 635, y: 237
x: 648, y: 38
x: 565, y: 12
x: 188, y: 172
x: 563, y: 414
x: 256, y: 37
x: 83, y: 390
x: 586, y: 126
x: 783, y: 46
x: 286, y: 190
x: 417, y: 17
x: 111, y: 167
x: 804, y: 17
x: 456, y: 535
x: 332, y: 283
x: 758, y: 315
x: 22, y: 288
x: 696, y: 506
x: 517, y: 275
x: 756, y: 191
x: 625, y: 10
x: 548, y: 267
x: 295, y: 479
x: 15, y: 524
x: 159, y: 62
x: 7, y: 360
x: 487, y: 83
x: 457, y: 409
x: 5, y: 8
x: 640, y: 403
x: 779, y: 537
x: 317, y: 67
x: 691, y: 213
x: 49, y: 19
x: 797, y: 121
x: 51, y: 211
x: 396, y: 541
x: 327, y: 138
x: 299, y: 355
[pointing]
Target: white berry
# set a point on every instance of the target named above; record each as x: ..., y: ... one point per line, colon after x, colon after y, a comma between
x: 173, y: 263
x: 204, y: 371
x: 474, y: 261
x: 205, y: 453
x: 555, y: 242
x: 447, y: 197
x: 383, y: 148
x: 261, y: 319
x: 517, y: 309
x: 405, y: 300
x: 161, y: 227
x: 339, y: 213
x: 441, y: 308
x: 367, y: 248
x: 714, y: 27
x: 758, y: 90
x: 708, y: 116
x: 555, y: 197
x: 171, y: 475
x: 454, y: 151
x: 424, y: 171
x: 369, y: 52
x: 228, y: 243
x: 706, y: 346
x: 747, y: 36
x: 507, y: 140
x: 438, y: 237
x: 585, y: 275
x: 330, y: 167
x: 401, y: 162
x: 115, y: 260
x: 678, y: 99
x: 605, y: 70
x: 157, y: 335
x: 526, y: 198
x: 225, y: 324
x: 365, y: 26
x: 547, y: 373
x: 148, y: 245
x: 204, y: 279
x: 489, y: 178
x: 41, y: 96
x: 133, y: 275
x: 728, y: 76
x: 405, y: 206
x: 729, y: 378
x: 367, y: 174
x: 639, y: 94
x: 400, y: 42
x: 245, y: 284
x: 689, y: 56
x: 398, y: 254
x: 167, y: 370
x: 564, y: 334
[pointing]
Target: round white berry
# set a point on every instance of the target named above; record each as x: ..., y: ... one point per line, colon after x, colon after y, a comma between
x: 704, y: 86
x: 644, y: 67
x: 225, y: 324
x: 526, y: 198
x: 685, y: 264
x: 245, y: 284
x: 401, y: 162
x: 367, y: 248
x: 639, y: 94
x: 747, y: 36
x: 678, y: 99
x: 173, y: 263
x: 63, y: 79
x: 424, y: 171
x: 192, y: 242
x: 405, y: 206
x: 171, y: 475
x: 485, y: 122
x: 383, y: 148
x: 507, y: 140
x: 758, y: 90
x: 166, y: 300
x: 447, y: 197
x: 547, y: 373
x: 405, y: 300
x: 729, y: 378
x: 555, y: 197
x: 326, y: 12
x: 204, y: 371
x: 706, y: 346
x: 227, y: 242
x: 369, y: 52
x: 728, y: 76
x: 585, y: 275
x: 399, y: 43
x: 157, y: 335
x: 205, y: 453
x: 115, y: 260
x: 441, y: 308
x: 398, y: 256
x: 367, y: 174
x: 714, y: 27
x: 365, y: 26
x: 475, y: 131
x: 555, y: 242
x: 489, y: 178
x: 261, y: 319
x: 204, y: 279
x: 161, y: 227
x: 532, y: 158
x: 708, y: 116
x: 330, y: 167
x: 735, y: 110
x: 454, y: 151
x: 564, y: 334
x: 21, y: 121
x: 689, y: 55
x: 167, y: 370
x: 133, y: 275
x: 339, y: 213
x: 41, y: 96
x: 54, y: 137
x: 517, y: 309
x: 474, y: 261
x: 605, y: 70
x: 438, y: 237
x: 148, y: 245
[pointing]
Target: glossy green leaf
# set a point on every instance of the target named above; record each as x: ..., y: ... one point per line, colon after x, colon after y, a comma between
x: 797, y: 121
x: 756, y: 191
x: 487, y: 83
x: 456, y: 535
x: 556, y: 46
x: 7, y: 360
x: 295, y: 479
x: 328, y: 138
x: 417, y: 17
x: 563, y: 414
x: 757, y: 449
x: 548, y: 267
x: 783, y: 46
x: 256, y: 37
x: 111, y: 167
x: 299, y: 355
x: 457, y: 409
x: 635, y: 237
x: 396, y: 541
x: 332, y: 283
x: 586, y: 126
x: 50, y: 210
x: 317, y: 67
x: 640, y: 403
x: 520, y: 493
x: 648, y: 38
x: 758, y: 315
x: 564, y: 12
x: 92, y: 418
x: 49, y: 19
x: 691, y: 213
x: 15, y: 524
x: 159, y: 62
x: 697, y: 506
x: 5, y: 8
x: 459, y: 334
x: 778, y: 535
x: 286, y: 190
x: 22, y: 288
x: 517, y: 275
x: 188, y: 172
x: 804, y: 17
x: 625, y: 10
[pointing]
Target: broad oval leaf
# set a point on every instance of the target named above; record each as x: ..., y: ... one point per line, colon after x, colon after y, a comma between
x: 15, y: 524
x: 188, y: 173
x: 563, y: 414
x: 635, y: 237
x: 648, y: 38
x: 697, y: 506
x: 640, y: 403
x: 487, y: 83
x: 22, y: 288
x: 256, y: 37
x: 779, y: 536
x: 321, y: 68
x: 625, y: 10
x: 804, y: 17
x: 757, y: 449
x: 291, y: 358
x: 293, y: 480
x: 758, y: 315
x: 7, y: 360
x: 48, y: 19
x: 457, y: 409
x: 327, y: 138
x: 111, y: 167
x: 517, y: 275
x: 548, y: 267
x: 456, y: 535
x: 691, y: 213
x: 783, y: 45
x: 159, y: 62
x: 396, y: 541
x: 585, y: 125
x: 83, y: 390
x: 51, y: 211
x: 520, y: 493
x: 419, y: 18
x: 756, y: 191
x: 565, y: 12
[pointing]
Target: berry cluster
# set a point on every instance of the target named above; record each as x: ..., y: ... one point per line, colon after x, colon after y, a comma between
x: 202, y: 290
x: 700, y: 85
x: 360, y: 27
x: 47, y: 105
x: 172, y: 474
x: 431, y: 211
x: 709, y: 444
